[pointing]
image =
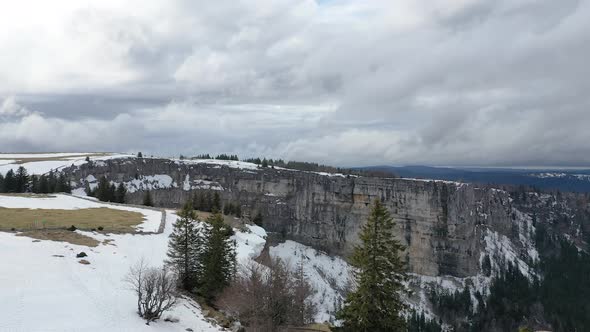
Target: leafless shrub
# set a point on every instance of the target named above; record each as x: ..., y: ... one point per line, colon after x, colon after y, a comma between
x: 155, y: 289
x: 267, y: 298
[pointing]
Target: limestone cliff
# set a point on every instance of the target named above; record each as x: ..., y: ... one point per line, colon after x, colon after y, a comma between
x: 448, y: 227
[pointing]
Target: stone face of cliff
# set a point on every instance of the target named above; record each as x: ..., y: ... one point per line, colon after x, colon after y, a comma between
x: 447, y: 227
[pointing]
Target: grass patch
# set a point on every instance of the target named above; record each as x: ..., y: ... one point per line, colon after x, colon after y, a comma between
x: 230, y: 220
x: 114, y: 221
x: 62, y: 236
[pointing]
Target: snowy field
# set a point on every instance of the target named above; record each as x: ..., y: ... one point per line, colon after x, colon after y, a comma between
x: 54, y: 161
x: 42, y: 291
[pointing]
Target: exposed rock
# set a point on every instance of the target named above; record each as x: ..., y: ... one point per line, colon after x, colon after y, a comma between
x: 83, y: 261
x: 448, y: 227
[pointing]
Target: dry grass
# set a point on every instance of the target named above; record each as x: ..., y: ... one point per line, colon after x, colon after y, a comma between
x: 62, y: 236
x: 116, y: 221
x: 230, y: 220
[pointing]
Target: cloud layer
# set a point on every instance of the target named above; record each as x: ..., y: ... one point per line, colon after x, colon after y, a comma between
x: 344, y: 82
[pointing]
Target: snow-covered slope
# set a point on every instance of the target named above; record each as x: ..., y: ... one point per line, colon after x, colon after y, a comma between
x: 329, y: 275
x: 37, y: 163
x: 42, y: 291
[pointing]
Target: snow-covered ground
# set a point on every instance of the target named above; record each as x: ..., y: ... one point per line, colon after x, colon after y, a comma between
x: 328, y: 275
x: 61, y: 160
x: 41, y: 291
x: 152, y: 218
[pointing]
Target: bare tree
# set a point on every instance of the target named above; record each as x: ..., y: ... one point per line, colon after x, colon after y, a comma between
x: 268, y: 298
x: 155, y: 289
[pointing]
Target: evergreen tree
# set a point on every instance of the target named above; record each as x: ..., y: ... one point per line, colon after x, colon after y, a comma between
x: 257, y: 219
x: 238, y: 210
x: 147, y: 199
x: 63, y: 184
x: 103, y: 191
x: 120, y: 194
x: 22, y: 180
x: 112, y: 193
x: 219, y: 256
x: 216, y: 207
x: 185, y: 247
x: 1, y: 183
x: 376, y: 304
x: 139, y: 155
x: 43, y: 184
x: 10, y: 182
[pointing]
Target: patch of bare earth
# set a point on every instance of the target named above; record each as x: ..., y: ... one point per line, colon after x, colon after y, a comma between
x: 61, y: 236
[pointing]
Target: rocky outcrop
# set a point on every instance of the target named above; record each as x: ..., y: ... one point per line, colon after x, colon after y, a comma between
x: 446, y: 226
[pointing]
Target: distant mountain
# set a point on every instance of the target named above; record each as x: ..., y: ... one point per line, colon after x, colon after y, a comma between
x: 552, y: 179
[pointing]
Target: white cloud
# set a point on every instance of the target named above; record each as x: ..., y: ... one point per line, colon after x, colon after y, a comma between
x: 342, y: 81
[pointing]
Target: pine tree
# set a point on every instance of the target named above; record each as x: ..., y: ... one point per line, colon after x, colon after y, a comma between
x: 1, y: 183
x: 10, y: 182
x: 120, y: 194
x: 43, y: 184
x: 216, y: 207
x: 376, y: 304
x: 22, y: 179
x: 185, y: 248
x: 147, y: 199
x: 219, y: 256
x: 103, y: 191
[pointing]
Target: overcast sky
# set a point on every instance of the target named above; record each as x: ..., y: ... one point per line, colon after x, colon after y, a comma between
x: 344, y: 82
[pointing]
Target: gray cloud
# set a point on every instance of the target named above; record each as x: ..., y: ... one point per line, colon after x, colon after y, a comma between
x: 343, y: 82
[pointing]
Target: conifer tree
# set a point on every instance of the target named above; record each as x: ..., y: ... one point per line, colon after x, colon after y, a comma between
x: 22, y: 179
x: 1, y: 183
x: 9, y: 182
x: 219, y: 256
x: 120, y: 194
x: 43, y: 184
x: 103, y: 191
x: 185, y: 248
x: 216, y: 203
x: 147, y: 199
x: 376, y: 304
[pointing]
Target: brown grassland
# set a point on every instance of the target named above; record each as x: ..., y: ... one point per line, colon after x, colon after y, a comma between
x: 52, y: 224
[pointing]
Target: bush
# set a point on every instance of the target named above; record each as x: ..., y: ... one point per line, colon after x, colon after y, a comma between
x: 155, y: 289
x: 81, y: 254
x: 72, y: 228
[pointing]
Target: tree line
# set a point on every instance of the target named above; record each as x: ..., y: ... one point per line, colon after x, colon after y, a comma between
x: 107, y: 192
x: 21, y: 182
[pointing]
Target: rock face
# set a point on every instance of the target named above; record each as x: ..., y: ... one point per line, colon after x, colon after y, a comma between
x: 446, y: 226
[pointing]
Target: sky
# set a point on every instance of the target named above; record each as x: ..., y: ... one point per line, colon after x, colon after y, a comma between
x: 341, y: 82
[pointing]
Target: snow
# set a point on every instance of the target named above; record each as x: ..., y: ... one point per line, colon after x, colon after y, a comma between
x: 249, y: 244
x: 152, y: 218
x: 150, y: 182
x: 43, y: 155
x: 199, y: 184
x: 228, y: 163
x: 41, y: 292
x: 45, y: 166
x: 329, y: 275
